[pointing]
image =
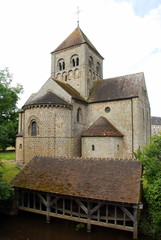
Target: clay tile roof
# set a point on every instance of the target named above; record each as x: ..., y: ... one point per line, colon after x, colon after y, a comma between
x: 100, y: 179
x: 69, y: 89
x: 77, y: 37
x: 156, y: 120
x: 102, y: 128
x: 48, y: 98
x: 122, y: 87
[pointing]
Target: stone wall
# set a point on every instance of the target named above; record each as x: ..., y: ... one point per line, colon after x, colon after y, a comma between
x: 103, y: 147
x: 82, y: 76
x: 54, y: 133
x: 127, y: 117
x: 19, y: 150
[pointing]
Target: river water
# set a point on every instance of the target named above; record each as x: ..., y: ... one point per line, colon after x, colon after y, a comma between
x: 29, y: 226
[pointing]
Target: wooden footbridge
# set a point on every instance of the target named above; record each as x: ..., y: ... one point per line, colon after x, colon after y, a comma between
x: 102, y: 192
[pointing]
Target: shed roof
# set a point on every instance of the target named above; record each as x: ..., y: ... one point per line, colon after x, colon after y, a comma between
x: 102, y: 128
x: 100, y: 179
x: 117, y: 88
x: 77, y: 37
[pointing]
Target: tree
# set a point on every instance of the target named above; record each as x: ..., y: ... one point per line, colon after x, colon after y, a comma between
x: 150, y: 156
x: 9, y: 97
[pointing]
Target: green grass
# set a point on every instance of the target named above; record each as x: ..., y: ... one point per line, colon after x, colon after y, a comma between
x: 9, y: 170
x: 9, y: 155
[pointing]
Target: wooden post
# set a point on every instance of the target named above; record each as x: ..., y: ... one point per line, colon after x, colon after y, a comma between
x: 48, y: 208
x: 71, y: 207
x: 106, y: 213
x: 88, y: 218
x: 135, y: 224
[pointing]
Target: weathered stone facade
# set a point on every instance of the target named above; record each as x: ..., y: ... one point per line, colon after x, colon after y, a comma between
x: 53, y: 120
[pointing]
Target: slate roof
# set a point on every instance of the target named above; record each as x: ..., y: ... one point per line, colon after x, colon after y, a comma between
x: 100, y: 179
x: 156, y: 120
x: 123, y: 87
x: 48, y: 98
x: 102, y: 128
x: 77, y: 37
x: 69, y: 89
x: 20, y: 134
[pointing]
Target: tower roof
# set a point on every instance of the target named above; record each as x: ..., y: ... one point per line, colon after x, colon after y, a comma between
x: 77, y: 37
x: 102, y: 128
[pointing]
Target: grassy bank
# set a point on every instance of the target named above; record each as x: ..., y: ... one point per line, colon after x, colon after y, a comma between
x: 8, y: 155
x: 9, y: 169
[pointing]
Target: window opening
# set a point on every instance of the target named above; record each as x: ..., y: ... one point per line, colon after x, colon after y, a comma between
x: 77, y: 60
x: 73, y: 62
x: 63, y: 65
x: 90, y: 62
x: 107, y: 109
x: 93, y: 147
x: 60, y: 66
x: 33, y: 129
x: 98, y: 68
x: 79, y: 112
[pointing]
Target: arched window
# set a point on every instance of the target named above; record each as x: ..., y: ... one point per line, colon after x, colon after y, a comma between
x: 65, y: 77
x: 75, y: 60
x: 79, y: 115
x: 98, y: 68
x: 91, y: 62
x: 20, y: 146
x: 61, y: 64
x: 33, y: 128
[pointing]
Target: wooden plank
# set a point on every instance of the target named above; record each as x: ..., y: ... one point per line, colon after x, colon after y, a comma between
x: 63, y: 206
x: 135, y: 225
x: 34, y: 205
x: 96, y: 208
x: 106, y: 213
x: 127, y: 213
x: 54, y: 201
x: 42, y: 199
x: 77, y: 219
x: 98, y: 215
x: 115, y: 215
x: 82, y: 206
x: 71, y: 207
x: 48, y: 209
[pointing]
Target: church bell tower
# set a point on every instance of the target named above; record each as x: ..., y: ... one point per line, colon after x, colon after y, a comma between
x: 77, y: 62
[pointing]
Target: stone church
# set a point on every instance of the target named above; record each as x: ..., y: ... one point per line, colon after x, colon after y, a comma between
x: 77, y: 113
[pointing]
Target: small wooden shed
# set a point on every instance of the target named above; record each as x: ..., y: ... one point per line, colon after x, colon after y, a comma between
x: 103, y: 192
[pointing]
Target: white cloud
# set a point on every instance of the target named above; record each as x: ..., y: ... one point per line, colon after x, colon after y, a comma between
x: 32, y: 29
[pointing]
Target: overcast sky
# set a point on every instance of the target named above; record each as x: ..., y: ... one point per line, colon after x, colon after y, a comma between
x: 127, y: 33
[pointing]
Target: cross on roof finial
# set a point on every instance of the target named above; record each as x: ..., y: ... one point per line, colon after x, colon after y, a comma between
x: 78, y: 11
